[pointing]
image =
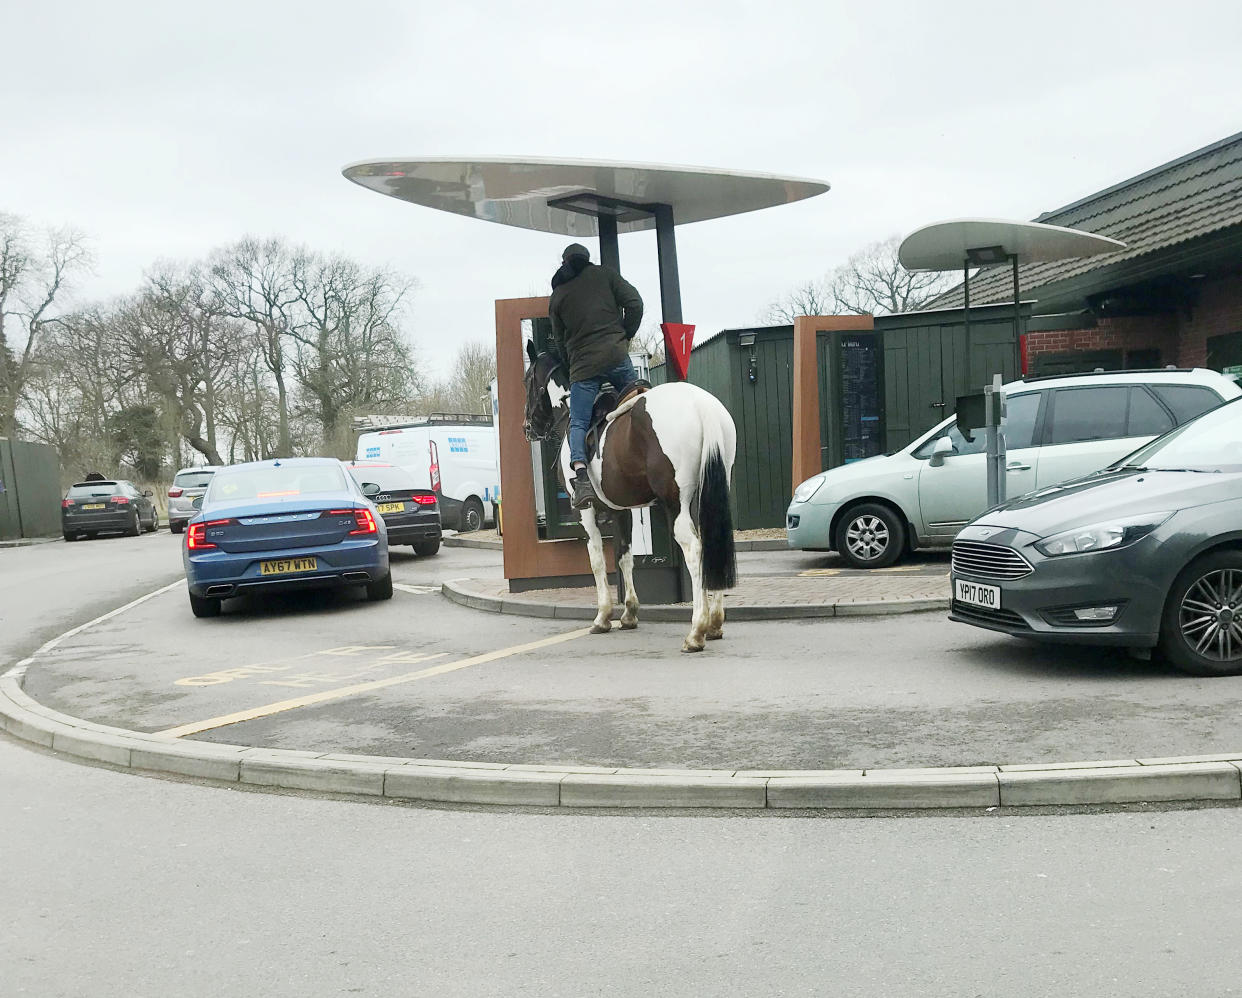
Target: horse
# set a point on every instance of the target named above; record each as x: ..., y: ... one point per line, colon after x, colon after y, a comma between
x: 675, y: 444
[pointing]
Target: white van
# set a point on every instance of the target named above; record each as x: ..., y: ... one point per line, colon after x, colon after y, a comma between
x: 452, y: 454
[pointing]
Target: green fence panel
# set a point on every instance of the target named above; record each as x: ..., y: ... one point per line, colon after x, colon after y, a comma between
x: 30, y: 500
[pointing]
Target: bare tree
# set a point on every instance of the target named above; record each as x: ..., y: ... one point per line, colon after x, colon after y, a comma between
x: 350, y: 354
x: 252, y: 280
x: 31, y: 280
x: 183, y: 345
x: 649, y: 340
x: 871, y: 282
x: 874, y: 282
x: 811, y: 298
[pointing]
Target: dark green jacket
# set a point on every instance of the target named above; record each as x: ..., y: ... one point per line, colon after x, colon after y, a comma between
x: 594, y: 316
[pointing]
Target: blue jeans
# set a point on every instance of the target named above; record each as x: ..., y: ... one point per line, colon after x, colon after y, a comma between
x: 582, y: 401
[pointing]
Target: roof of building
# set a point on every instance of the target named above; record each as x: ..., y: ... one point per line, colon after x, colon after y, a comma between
x: 1188, y: 198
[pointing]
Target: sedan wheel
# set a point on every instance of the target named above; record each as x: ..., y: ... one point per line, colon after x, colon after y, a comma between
x: 870, y: 536
x: 1202, y: 628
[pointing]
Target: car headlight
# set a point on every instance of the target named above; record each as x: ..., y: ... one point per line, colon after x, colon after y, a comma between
x: 1101, y: 536
x: 808, y: 488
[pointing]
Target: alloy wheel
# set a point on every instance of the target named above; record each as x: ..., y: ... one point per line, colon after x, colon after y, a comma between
x: 867, y: 537
x: 1210, y: 615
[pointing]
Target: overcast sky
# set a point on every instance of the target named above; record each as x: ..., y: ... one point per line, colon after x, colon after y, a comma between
x: 166, y: 129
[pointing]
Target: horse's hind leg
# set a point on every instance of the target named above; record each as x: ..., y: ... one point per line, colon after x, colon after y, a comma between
x: 715, y: 616
x: 692, y: 549
x: 625, y: 565
x: 603, y: 595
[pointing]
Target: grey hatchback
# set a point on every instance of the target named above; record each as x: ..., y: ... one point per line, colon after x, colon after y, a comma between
x: 1146, y: 553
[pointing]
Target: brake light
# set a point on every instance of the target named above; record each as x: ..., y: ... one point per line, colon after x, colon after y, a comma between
x: 121, y: 500
x: 362, y: 517
x: 435, y: 467
x: 196, y: 536
x: 175, y: 493
x: 66, y: 504
x: 425, y: 500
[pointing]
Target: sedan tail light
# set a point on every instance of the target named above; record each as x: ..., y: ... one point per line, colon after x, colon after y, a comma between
x: 66, y: 504
x: 362, y: 517
x: 175, y: 493
x: 196, y: 536
x: 425, y: 500
x: 121, y: 500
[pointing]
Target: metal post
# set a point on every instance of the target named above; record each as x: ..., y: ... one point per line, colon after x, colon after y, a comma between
x: 990, y: 449
x: 966, y: 300
x: 1017, y: 314
x: 609, y: 250
x: 666, y: 250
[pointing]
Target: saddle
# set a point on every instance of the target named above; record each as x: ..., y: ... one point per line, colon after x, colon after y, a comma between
x: 609, y: 404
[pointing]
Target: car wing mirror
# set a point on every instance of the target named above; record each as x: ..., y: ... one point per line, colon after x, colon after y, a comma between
x: 370, y: 489
x: 148, y: 494
x: 197, y: 502
x: 941, y: 449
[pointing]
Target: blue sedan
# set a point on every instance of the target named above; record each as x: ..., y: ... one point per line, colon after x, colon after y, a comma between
x: 287, y: 524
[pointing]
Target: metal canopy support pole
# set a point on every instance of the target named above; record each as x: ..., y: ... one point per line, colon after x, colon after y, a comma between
x: 1017, y: 315
x: 666, y: 250
x: 660, y: 576
x: 609, y: 250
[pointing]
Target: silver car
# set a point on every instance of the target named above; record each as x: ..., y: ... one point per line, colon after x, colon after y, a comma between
x: 188, y: 485
x: 1058, y: 428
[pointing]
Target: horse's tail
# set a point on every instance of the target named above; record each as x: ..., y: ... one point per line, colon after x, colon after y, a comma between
x: 715, y: 512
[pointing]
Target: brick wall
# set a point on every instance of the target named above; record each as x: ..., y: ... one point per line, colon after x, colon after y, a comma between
x: 1138, y: 332
x: 1218, y: 311
x: 1181, y: 338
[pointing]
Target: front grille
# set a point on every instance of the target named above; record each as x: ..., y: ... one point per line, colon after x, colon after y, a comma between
x: 989, y: 561
x: 983, y: 615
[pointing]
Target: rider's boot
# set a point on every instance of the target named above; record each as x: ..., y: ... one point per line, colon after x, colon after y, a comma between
x: 584, y: 491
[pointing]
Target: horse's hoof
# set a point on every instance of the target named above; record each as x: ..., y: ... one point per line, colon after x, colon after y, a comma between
x: 714, y: 635
x: 629, y: 625
x: 601, y: 628
x: 688, y: 647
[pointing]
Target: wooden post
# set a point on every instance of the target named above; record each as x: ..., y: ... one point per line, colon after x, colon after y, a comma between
x: 807, y: 445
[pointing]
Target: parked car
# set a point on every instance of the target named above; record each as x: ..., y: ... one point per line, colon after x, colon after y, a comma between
x: 286, y: 524
x: 101, y: 505
x: 411, y: 514
x: 1147, y: 552
x: 187, y: 485
x: 872, y: 512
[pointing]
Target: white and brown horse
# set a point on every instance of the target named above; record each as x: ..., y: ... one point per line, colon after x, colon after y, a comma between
x: 673, y: 444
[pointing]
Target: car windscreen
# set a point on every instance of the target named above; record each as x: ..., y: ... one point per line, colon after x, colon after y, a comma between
x: 193, y: 479
x: 388, y: 479
x: 84, y: 489
x: 1213, y: 442
x: 276, y: 482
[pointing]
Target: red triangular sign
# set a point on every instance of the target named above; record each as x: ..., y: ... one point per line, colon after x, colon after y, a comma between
x: 678, y: 339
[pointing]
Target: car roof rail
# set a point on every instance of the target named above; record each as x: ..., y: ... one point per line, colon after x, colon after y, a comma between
x: 1099, y: 371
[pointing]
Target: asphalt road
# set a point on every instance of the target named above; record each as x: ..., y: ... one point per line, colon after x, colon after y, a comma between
x: 118, y: 885
x: 895, y: 691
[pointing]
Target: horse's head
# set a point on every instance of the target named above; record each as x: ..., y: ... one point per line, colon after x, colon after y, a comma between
x: 546, y: 391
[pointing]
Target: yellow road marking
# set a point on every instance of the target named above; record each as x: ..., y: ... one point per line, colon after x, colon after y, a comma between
x: 376, y: 684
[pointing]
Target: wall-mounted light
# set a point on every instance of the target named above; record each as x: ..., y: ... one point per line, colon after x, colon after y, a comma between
x: 752, y: 368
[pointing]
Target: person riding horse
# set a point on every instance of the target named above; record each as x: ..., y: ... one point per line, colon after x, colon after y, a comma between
x: 595, y: 313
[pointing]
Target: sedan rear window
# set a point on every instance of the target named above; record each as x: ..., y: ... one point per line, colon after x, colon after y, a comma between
x: 92, y: 489
x: 276, y: 482
x: 193, y: 479
x: 388, y: 479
